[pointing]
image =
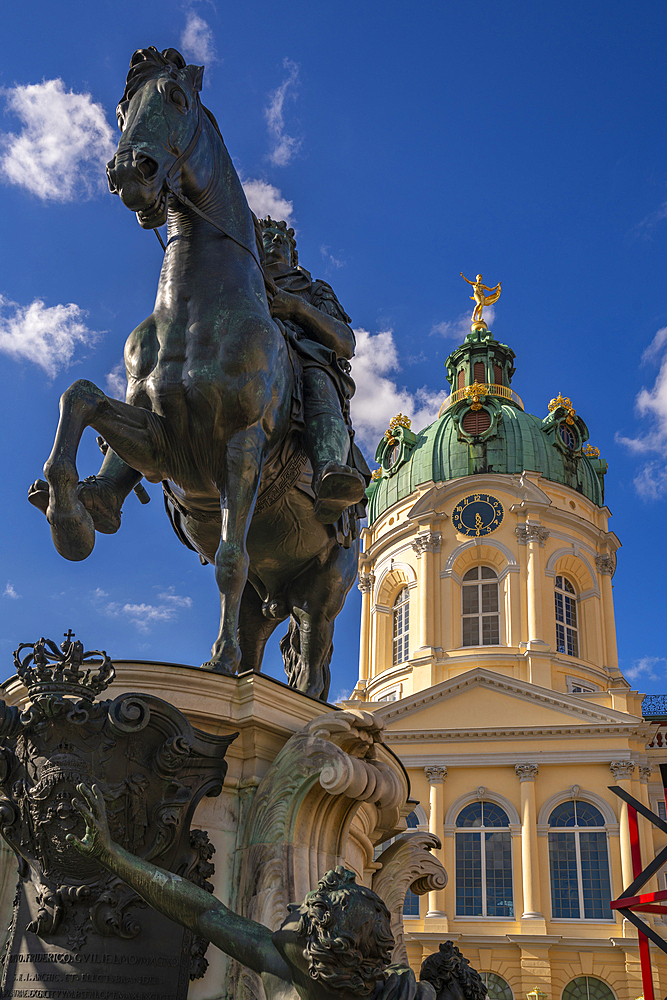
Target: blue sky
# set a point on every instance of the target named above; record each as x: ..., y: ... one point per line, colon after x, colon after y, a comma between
x: 407, y: 143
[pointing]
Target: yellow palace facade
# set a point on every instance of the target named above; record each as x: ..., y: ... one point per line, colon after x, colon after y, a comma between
x: 488, y: 648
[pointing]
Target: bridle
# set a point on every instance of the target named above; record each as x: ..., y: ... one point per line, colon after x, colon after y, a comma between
x: 175, y: 189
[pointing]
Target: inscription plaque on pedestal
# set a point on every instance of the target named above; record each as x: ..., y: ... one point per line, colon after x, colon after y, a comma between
x: 153, y: 966
x: 78, y: 931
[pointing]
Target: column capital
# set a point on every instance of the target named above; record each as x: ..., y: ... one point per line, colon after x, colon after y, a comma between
x: 435, y: 774
x: 526, y: 772
x: 605, y: 565
x: 621, y: 769
x: 645, y: 772
x: 531, y: 533
x: 366, y: 582
x: 428, y: 541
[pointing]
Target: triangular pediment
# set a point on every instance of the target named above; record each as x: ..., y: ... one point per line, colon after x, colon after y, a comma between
x: 485, y: 699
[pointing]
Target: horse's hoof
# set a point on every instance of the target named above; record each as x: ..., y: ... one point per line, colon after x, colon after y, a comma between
x: 38, y: 495
x: 73, y: 533
x: 216, y: 667
x: 102, y: 503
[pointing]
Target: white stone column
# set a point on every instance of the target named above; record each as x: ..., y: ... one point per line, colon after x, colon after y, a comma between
x: 646, y: 828
x: 526, y: 773
x: 425, y: 546
x: 436, y: 823
x: 366, y: 584
x: 605, y: 567
x: 534, y: 536
x: 622, y: 771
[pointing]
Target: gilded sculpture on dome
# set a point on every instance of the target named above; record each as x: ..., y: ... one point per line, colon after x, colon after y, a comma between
x: 480, y: 299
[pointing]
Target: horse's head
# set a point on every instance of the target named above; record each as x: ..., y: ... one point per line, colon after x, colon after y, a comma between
x: 160, y: 116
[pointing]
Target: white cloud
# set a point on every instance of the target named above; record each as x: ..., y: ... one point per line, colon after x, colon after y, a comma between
x: 116, y: 381
x: 651, y: 481
x: 654, y: 349
x: 651, y: 404
x: 175, y: 600
x: 197, y: 43
x: 378, y: 397
x: 265, y: 199
x: 144, y: 616
x: 458, y: 329
x: 45, y: 335
x: 61, y: 153
x: 283, y: 145
x: 646, y: 667
x: 329, y: 257
x: 10, y: 591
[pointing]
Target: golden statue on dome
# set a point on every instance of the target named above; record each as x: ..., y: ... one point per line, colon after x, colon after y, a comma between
x: 481, y: 300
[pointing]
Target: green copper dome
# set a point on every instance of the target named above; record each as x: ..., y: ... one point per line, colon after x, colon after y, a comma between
x: 483, y: 428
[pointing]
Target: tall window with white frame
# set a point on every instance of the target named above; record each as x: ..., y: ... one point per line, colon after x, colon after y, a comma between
x: 579, y: 863
x: 567, y: 629
x: 401, y: 615
x: 483, y: 862
x: 480, y: 614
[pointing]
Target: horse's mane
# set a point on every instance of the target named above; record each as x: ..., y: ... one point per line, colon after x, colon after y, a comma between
x: 448, y: 963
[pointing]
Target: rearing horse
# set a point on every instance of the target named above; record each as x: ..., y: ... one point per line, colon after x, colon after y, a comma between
x: 210, y: 389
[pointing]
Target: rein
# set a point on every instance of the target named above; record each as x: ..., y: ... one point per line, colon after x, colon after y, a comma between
x: 178, y: 193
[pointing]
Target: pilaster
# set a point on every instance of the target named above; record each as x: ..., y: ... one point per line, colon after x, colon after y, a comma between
x: 425, y: 546
x: 532, y: 919
x: 436, y: 899
x: 365, y: 584
x: 622, y: 771
x: 534, y: 536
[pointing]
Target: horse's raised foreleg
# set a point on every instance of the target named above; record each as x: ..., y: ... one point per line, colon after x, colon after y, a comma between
x: 134, y: 434
x: 243, y: 466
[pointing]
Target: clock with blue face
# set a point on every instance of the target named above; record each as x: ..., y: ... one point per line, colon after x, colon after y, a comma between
x: 477, y: 514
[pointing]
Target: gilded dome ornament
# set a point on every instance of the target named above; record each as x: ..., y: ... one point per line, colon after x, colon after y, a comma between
x: 564, y: 401
x: 481, y: 300
x: 591, y: 451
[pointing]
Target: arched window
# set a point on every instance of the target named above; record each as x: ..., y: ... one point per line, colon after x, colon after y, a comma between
x: 483, y: 862
x: 587, y: 988
x: 479, y: 372
x: 401, y: 626
x: 579, y: 864
x: 480, y: 616
x: 567, y: 632
x: 498, y: 379
x: 496, y: 986
x: 461, y: 381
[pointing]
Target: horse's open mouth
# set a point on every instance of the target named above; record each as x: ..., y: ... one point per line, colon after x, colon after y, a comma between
x: 156, y: 213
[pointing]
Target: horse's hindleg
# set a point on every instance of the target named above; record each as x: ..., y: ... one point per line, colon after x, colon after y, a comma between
x: 131, y: 432
x: 255, y: 629
x: 243, y: 461
x: 316, y: 598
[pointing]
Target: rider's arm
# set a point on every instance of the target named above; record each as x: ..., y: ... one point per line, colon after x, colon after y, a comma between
x: 245, y: 940
x: 318, y: 325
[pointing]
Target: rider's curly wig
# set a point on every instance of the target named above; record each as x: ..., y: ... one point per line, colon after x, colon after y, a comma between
x: 448, y: 963
x: 348, y: 947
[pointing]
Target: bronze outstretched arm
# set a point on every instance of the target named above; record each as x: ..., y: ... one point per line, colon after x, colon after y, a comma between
x: 245, y: 940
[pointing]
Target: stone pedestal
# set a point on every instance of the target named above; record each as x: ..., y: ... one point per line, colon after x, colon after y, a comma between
x: 307, y: 788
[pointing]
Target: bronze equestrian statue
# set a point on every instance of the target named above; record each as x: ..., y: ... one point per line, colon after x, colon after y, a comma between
x: 227, y: 405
